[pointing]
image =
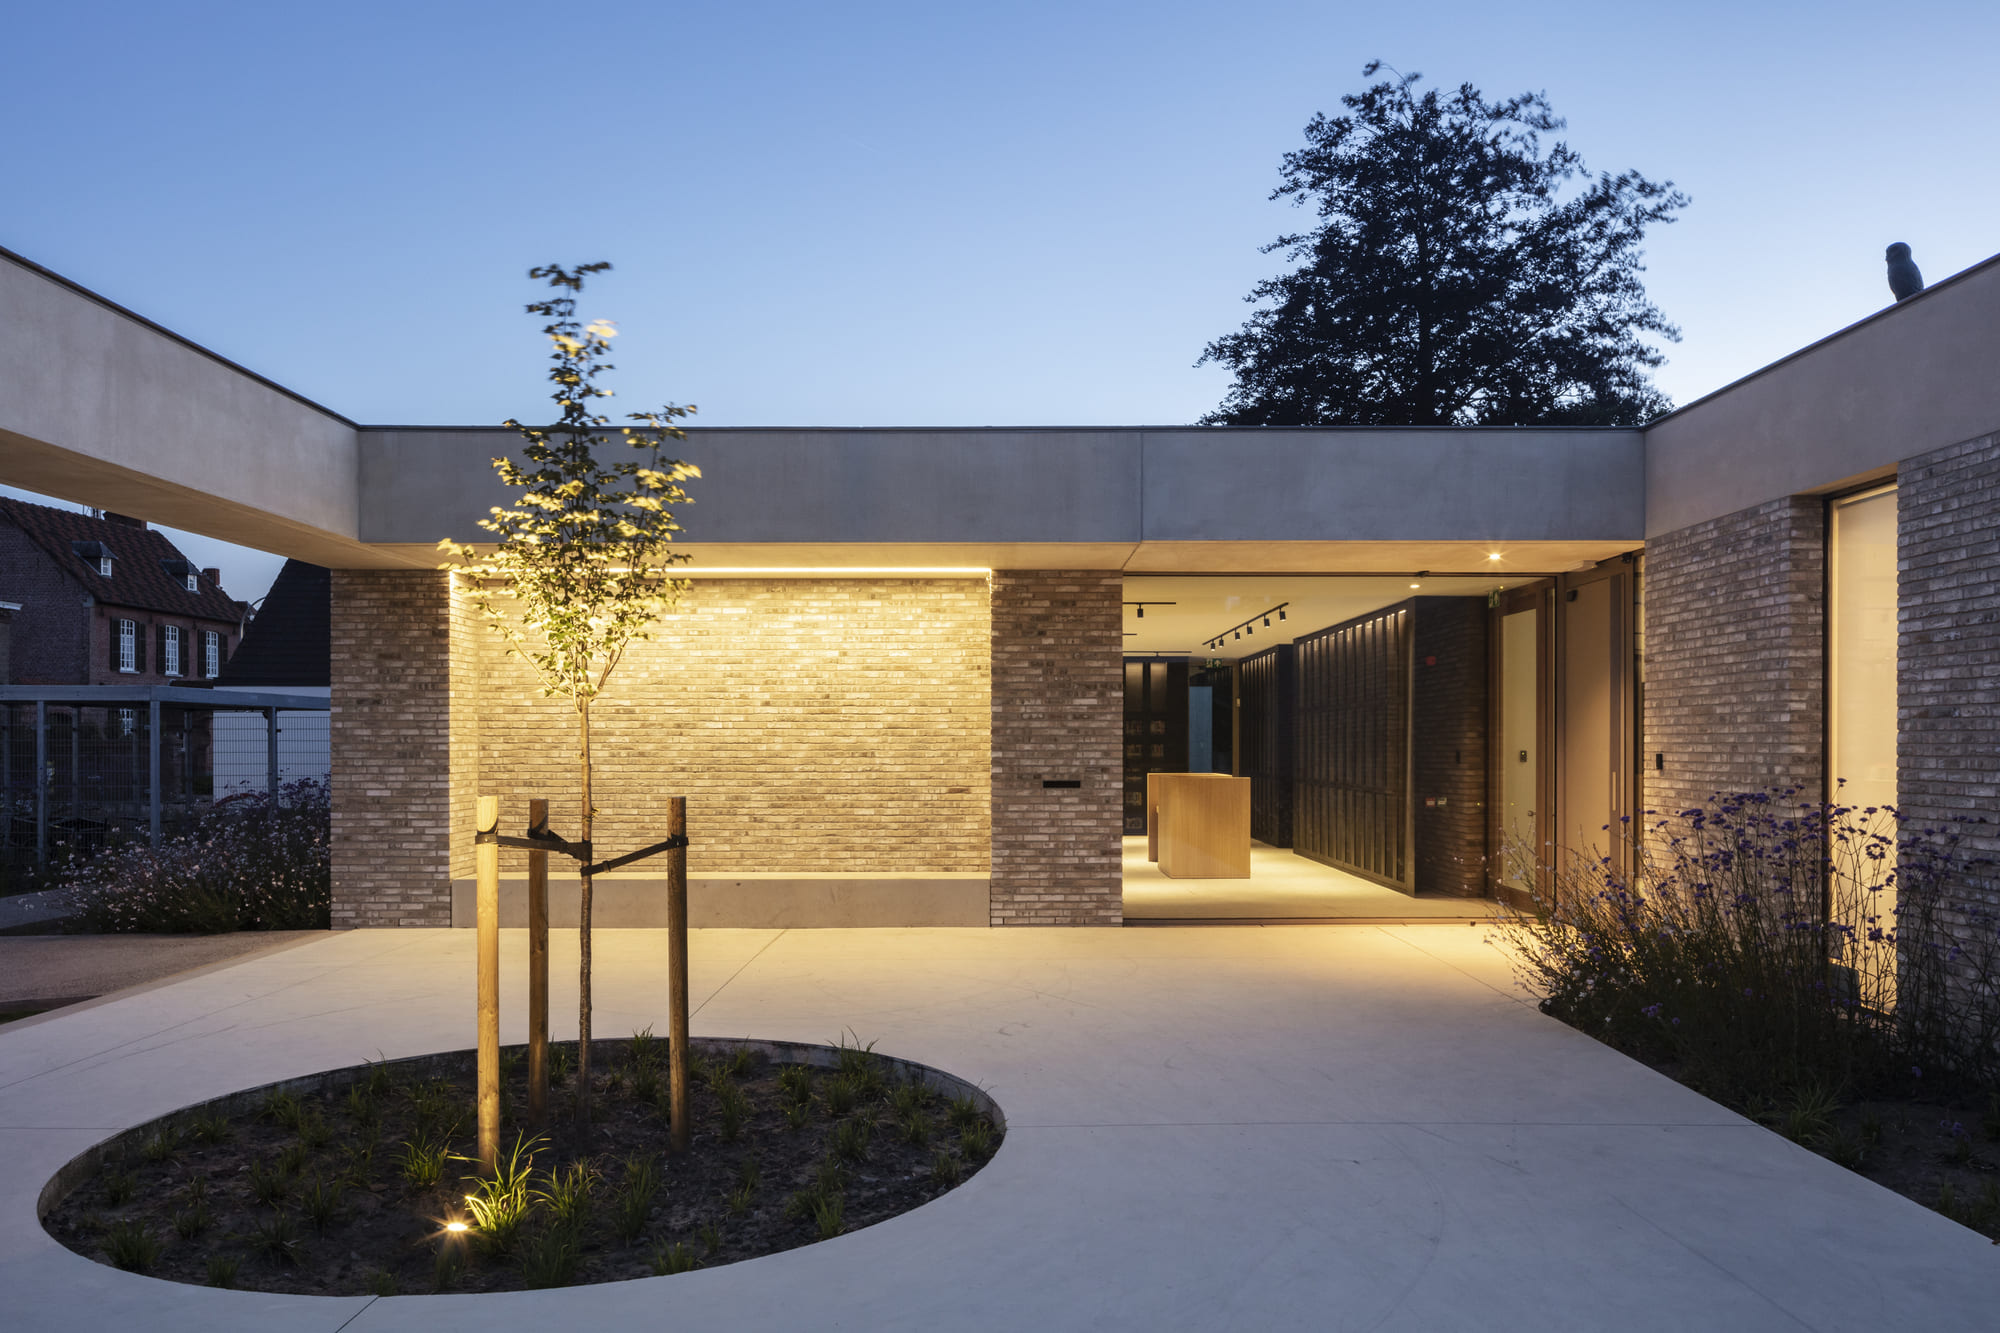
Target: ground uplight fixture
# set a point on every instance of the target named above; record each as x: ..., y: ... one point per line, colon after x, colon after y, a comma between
x: 456, y: 1227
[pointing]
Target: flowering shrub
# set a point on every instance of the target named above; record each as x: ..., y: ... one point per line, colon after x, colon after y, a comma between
x: 1761, y: 943
x: 252, y: 862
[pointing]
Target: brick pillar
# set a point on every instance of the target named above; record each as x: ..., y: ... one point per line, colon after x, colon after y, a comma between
x: 392, y: 751
x: 1058, y: 715
x: 1735, y: 639
x: 1948, y: 654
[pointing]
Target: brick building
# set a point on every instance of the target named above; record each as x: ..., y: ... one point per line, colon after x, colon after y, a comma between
x: 923, y: 674
x: 108, y: 601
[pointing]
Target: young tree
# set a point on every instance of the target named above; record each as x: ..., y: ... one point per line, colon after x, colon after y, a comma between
x: 1453, y: 280
x: 582, y: 566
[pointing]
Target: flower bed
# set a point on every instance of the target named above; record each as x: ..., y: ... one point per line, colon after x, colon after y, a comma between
x: 358, y: 1181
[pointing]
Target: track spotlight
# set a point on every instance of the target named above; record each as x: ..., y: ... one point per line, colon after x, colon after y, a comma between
x: 1267, y: 622
x: 1239, y: 634
x: 1142, y: 610
x: 1281, y: 613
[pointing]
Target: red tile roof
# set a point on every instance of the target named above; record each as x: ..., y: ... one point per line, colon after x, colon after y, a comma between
x: 138, y: 579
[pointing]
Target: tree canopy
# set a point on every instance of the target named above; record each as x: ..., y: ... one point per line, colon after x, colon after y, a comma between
x: 1456, y: 276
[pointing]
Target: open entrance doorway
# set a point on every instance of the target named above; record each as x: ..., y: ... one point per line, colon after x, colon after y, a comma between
x: 1365, y: 747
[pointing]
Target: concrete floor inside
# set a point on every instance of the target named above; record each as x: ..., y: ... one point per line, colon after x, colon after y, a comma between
x: 1283, y: 886
x: 1301, y: 1127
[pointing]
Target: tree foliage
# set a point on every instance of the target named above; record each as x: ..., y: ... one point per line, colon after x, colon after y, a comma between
x: 583, y: 564
x: 1455, y: 278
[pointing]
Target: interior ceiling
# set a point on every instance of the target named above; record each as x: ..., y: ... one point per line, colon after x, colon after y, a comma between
x: 1185, y: 611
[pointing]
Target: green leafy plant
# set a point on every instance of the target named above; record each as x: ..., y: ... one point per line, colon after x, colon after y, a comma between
x: 798, y: 1115
x: 583, y: 565
x: 912, y: 1097
x: 567, y: 1194
x: 795, y: 1083
x: 210, y: 1128
x: 549, y: 1257
x: 270, y: 1184
x: 282, y: 1108
x: 320, y: 1202
x: 500, y: 1203
x: 278, y: 1239
x: 362, y: 1106
x: 710, y: 1236
x: 740, y: 1062
x: 422, y: 1160
x: 977, y: 1141
x: 965, y: 1113
x: 1806, y: 1117
x: 381, y: 1282
x: 648, y: 1086
x: 840, y: 1094
x: 916, y: 1127
x: 635, y: 1199
x: 119, y: 1187
x: 859, y: 1064
x: 732, y: 1109
x: 293, y: 1158
x: 645, y: 1049
x: 946, y: 1169
x: 849, y: 1140
x: 674, y: 1258
x: 826, y: 1215
x: 222, y: 1269
x: 162, y: 1144
x: 130, y: 1246
x: 191, y: 1221
x: 314, y: 1132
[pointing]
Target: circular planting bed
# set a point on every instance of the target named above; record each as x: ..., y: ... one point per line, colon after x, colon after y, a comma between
x: 358, y: 1181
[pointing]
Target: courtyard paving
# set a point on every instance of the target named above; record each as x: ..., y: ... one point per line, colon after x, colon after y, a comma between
x: 1308, y: 1127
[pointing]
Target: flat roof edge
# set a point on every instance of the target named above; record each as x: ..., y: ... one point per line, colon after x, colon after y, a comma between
x: 79, y: 289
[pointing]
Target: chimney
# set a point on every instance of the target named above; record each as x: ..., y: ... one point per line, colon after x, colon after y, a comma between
x: 124, y: 520
x: 213, y: 576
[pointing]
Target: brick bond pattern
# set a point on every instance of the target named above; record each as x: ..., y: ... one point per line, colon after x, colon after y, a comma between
x: 1948, y: 654
x: 1735, y: 637
x: 1449, y: 714
x: 814, y: 726
x: 1058, y: 714
x: 392, y: 748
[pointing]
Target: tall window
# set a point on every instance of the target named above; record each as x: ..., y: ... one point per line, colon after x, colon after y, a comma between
x: 1861, y: 699
x: 128, y: 721
x: 128, y: 646
x: 211, y: 653
x: 171, y: 658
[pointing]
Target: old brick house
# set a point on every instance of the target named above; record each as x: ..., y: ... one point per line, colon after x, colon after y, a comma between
x: 108, y: 601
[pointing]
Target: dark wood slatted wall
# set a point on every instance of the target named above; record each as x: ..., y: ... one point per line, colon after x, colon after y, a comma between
x: 1269, y: 683
x: 1352, y: 769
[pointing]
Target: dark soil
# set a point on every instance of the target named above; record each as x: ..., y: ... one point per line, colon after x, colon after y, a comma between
x: 1941, y: 1152
x: 309, y: 1193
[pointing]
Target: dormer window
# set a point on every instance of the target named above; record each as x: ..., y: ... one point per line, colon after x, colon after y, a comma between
x: 182, y: 572
x: 94, y: 553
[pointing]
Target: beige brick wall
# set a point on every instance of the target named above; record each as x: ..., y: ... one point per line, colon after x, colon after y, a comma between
x: 1058, y: 713
x: 815, y: 726
x: 1948, y: 662
x: 1735, y: 637
x: 392, y: 751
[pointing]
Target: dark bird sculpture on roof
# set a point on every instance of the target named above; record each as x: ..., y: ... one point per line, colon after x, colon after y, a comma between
x: 1904, y: 279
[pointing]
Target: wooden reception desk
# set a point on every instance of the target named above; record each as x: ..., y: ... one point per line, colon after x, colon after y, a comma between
x: 1198, y: 825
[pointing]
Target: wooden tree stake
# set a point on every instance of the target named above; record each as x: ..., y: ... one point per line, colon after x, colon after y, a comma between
x: 538, y: 968
x: 486, y: 862
x: 677, y: 977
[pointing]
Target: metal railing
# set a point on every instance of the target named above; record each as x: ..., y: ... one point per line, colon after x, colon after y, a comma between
x: 86, y: 765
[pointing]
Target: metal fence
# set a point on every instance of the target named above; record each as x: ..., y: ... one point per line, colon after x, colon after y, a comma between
x: 85, y: 766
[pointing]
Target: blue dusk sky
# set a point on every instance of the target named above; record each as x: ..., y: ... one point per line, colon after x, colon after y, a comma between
x: 914, y: 214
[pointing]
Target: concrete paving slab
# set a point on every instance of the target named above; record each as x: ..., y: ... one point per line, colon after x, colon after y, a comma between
x: 1305, y: 1127
x: 1282, y: 886
x: 81, y: 967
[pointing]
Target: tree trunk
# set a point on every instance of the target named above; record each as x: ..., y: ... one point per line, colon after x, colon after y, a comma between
x: 583, y: 932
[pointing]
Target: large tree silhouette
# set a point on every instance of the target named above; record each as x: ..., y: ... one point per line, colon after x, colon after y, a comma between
x: 1460, y: 275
